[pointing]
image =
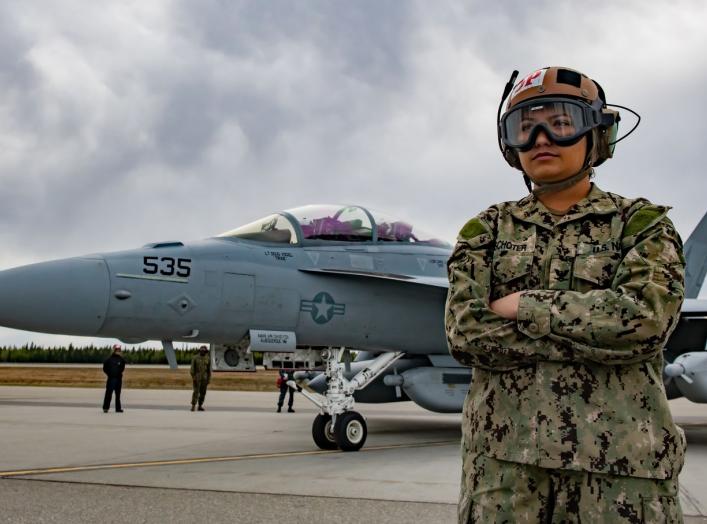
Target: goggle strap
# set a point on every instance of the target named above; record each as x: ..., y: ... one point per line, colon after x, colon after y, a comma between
x: 608, y: 119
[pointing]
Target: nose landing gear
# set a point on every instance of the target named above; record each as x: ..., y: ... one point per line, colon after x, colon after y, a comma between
x: 338, y: 425
x: 323, y: 432
x: 350, y: 431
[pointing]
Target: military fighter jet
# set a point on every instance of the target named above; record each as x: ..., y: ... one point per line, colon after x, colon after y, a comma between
x: 323, y: 278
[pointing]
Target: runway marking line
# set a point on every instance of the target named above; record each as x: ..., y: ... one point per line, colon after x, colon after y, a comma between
x: 234, y: 458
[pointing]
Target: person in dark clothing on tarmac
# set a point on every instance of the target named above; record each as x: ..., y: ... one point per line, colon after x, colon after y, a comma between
x: 284, y: 388
x: 113, y: 367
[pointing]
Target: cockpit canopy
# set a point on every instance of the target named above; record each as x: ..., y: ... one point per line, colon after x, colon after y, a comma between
x: 333, y: 223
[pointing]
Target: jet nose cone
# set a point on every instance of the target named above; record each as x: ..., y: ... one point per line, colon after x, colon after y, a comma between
x: 68, y: 296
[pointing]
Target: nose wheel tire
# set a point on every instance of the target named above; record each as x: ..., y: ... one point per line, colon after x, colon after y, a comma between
x: 350, y: 431
x: 323, y: 432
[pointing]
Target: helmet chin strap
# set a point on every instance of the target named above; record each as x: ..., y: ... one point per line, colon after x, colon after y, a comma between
x: 542, y: 188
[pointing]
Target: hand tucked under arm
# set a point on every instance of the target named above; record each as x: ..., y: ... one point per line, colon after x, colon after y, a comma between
x: 507, y: 307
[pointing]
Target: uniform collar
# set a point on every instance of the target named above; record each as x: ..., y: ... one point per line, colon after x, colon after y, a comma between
x: 530, y: 209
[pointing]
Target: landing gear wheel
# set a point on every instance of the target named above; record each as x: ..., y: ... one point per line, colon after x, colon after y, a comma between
x: 323, y: 432
x: 350, y: 431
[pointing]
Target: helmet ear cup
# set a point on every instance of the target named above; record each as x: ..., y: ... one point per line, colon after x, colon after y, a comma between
x: 611, y: 135
x: 605, y: 142
x: 605, y: 136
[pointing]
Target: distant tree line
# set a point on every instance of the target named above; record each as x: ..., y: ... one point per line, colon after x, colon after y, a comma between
x: 88, y: 354
x: 70, y: 354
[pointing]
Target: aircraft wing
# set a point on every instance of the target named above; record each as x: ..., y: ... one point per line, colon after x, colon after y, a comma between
x: 693, y: 306
x: 440, y: 282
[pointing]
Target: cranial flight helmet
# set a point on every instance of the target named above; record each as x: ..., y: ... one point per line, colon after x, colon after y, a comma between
x: 572, y: 106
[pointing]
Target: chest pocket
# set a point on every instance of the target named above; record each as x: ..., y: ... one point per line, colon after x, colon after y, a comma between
x: 594, y: 266
x: 512, y: 257
x: 510, y: 272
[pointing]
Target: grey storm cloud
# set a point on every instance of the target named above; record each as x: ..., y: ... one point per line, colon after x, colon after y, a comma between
x: 126, y: 123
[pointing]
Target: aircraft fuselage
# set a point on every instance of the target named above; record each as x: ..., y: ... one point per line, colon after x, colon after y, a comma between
x: 216, y: 290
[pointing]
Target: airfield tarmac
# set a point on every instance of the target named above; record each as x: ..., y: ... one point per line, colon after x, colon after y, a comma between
x: 63, y: 460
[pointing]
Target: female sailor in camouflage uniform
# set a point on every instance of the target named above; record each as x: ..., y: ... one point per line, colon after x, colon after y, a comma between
x: 562, y: 302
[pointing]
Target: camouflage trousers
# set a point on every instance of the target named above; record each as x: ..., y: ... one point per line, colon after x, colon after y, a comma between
x: 199, y: 391
x: 495, y: 491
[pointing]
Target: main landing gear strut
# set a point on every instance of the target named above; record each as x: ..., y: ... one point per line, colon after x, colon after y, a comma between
x: 338, y: 425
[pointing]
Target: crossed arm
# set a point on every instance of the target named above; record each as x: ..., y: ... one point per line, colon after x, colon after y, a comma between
x: 625, y: 323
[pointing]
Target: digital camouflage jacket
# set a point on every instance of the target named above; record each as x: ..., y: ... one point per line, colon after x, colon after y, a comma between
x: 576, y: 382
x: 201, y: 367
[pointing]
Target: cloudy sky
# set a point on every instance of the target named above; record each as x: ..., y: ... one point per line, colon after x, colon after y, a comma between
x: 129, y: 122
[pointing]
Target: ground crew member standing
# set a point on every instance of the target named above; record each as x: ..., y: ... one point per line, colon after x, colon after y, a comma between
x: 113, y: 367
x: 562, y: 303
x: 201, y: 376
x: 284, y: 388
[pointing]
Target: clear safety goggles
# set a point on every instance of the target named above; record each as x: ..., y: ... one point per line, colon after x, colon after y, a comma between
x: 563, y: 120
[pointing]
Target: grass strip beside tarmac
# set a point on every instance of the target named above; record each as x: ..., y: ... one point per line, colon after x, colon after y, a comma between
x: 134, y: 378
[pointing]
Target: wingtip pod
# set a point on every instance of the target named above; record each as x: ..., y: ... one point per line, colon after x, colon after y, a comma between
x: 689, y: 372
x: 68, y: 296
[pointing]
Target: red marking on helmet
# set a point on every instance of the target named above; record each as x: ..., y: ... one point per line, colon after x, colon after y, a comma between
x: 527, y: 81
x: 532, y: 76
